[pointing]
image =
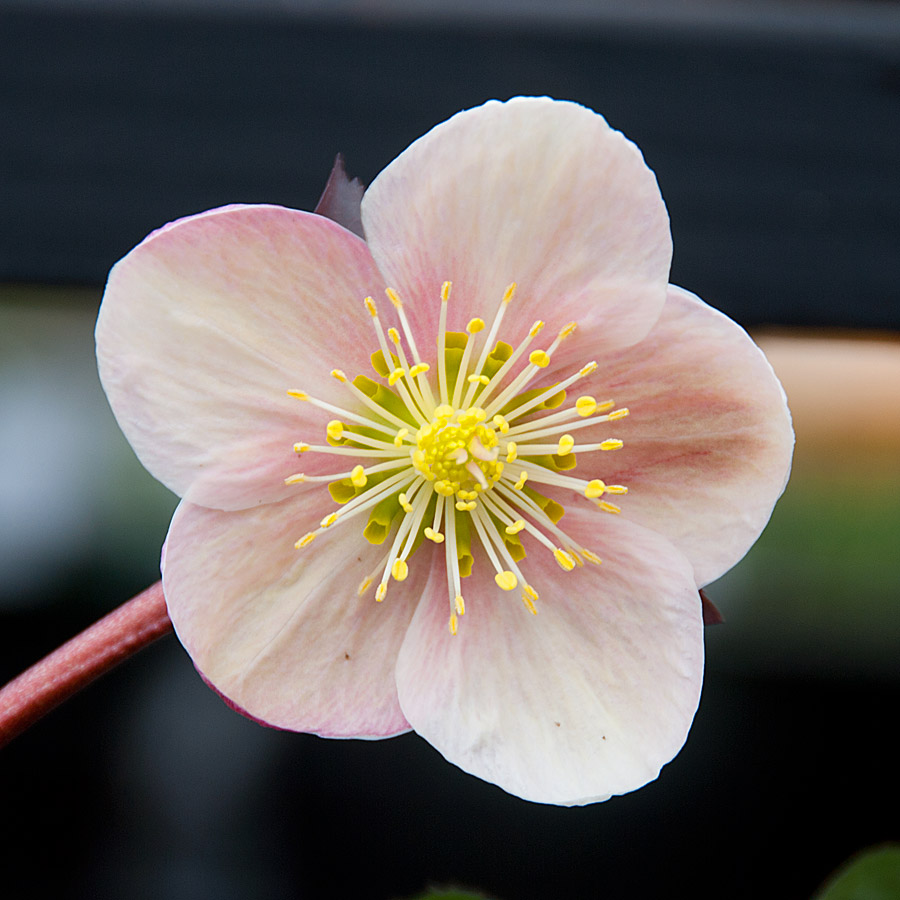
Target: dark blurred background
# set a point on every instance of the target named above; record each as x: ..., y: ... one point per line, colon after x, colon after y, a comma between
x: 774, y: 130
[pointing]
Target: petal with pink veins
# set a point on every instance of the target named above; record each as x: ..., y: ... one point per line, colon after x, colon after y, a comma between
x: 588, y: 698
x: 708, y: 441
x: 535, y: 191
x: 207, y: 324
x: 282, y: 633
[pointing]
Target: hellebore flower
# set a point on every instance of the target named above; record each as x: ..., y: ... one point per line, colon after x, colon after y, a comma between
x: 349, y: 556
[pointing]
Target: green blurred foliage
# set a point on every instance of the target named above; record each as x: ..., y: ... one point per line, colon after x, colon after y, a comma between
x: 872, y: 875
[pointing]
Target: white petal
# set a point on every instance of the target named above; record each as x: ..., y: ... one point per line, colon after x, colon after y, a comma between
x: 282, y: 633
x: 588, y: 698
x: 535, y: 191
x: 209, y: 322
x: 708, y: 441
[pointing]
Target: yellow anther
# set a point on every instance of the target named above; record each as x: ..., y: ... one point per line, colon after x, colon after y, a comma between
x: 616, y: 489
x: 565, y: 445
x: 329, y: 520
x: 298, y: 395
x: 564, y: 559
x: 523, y: 477
x: 567, y: 330
x: 335, y: 429
x: 591, y: 557
x: 419, y: 369
x: 392, y: 296
x: 299, y: 478
x: 539, y: 358
x: 381, y: 592
x: 529, y: 595
x: 475, y: 325
x: 605, y: 406
x: 398, y: 437
x: 590, y: 367
x: 300, y: 447
x: 306, y: 540
x: 516, y: 527
x: 453, y: 624
x: 399, y: 570
x: 433, y: 535
x: 337, y: 373
x: 394, y: 335
x: 618, y: 413
x: 395, y: 376
x: 501, y: 424
x: 608, y: 507
x: 480, y: 379
x: 612, y: 444
x: 466, y: 507
x: 585, y: 406
x: 460, y: 604
x: 364, y: 585
x: 535, y: 329
x: 512, y: 451
x: 444, y: 488
x: 510, y: 292
x: 404, y: 502
x: 444, y: 411
x: 445, y: 290
x: 358, y: 477
x: 594, y: 489
x: 370, y: 306
x: 506, y: 581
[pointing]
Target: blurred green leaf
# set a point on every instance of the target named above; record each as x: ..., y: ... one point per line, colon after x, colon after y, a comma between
x: 871, y: 875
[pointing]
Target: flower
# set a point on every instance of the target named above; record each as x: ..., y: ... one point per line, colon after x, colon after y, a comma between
x: 349, y: 556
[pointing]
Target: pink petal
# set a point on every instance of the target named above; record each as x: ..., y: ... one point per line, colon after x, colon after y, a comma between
x: 208, y: 323
x: 535, y: 191
x: 708, y: 442
x: 588, y: 698
x: 282, y: 633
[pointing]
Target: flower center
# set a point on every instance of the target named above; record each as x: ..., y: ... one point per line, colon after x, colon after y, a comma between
x: 457, y: 451
x: 462, y: 459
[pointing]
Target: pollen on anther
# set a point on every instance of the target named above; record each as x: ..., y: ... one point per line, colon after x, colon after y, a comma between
x: 334, y: 429
x: 400, y: 570
x: 460, y: 604
x: 506, y: 581
x: 612, y: 444
x: 395, y: 376
x: 516, y: 527
x: 475, y: 325
x: 616, y: 489
x: 591, y: 557
x: 478, y: 379
x: 364, y: 585
x: 307, y: 539
x: 535, y: 329
x: 329, y: 520
x: 564, y: 559
x: 608, y: 507
x: 433, y: 535
x: 566, y: 443
x: 539, y: 358
x: 590, y: 367
x: 594, y: 489
x: 398, y: 438
x: 337, y: 373
x: 453, y: 624
x: 405, y: 504
x: 370, y: 306
x: 358, y: 477
x: 512, y: 451
x: 585, y: 406
x: 510, y: 292
x: 618, y: 413
x: 299, y: 478
x: 298, y: 395
x: 393, y: 297
x: 300, y: 447
x: 445, y: 290
x: 523, y: 477
x: 380, y: 592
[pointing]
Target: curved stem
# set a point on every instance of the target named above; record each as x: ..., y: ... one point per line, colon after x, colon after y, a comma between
x: 99, y: 648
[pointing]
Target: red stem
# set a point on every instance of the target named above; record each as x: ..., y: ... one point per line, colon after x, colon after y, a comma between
x: 135, y: 624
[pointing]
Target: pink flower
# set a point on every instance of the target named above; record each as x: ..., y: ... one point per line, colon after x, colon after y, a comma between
x: 317, y: 568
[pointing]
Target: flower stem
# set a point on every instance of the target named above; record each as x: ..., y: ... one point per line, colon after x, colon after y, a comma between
x: 99, y: 648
